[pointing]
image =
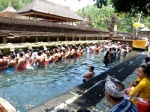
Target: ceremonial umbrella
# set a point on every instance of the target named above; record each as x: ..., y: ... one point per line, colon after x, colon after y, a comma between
x: 138, y: 25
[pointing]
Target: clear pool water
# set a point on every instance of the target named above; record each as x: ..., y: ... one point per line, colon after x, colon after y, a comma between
x: 32, y: 87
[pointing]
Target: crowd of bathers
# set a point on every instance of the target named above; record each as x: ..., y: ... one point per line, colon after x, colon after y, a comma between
x: 37, y: 57
x: 113, y: 51
x: 45, y: 56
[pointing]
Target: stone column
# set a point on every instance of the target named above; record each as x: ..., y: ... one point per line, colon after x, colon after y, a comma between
x: 4, y: 40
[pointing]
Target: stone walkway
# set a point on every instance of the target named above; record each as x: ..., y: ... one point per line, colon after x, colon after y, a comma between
x: 90, y: 95
x: 103, y: 105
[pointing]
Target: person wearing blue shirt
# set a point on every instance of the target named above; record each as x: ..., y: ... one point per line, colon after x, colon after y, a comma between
x: 114, y: 91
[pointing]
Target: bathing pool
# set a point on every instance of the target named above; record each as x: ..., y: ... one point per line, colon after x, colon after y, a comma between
x: 32, y: 87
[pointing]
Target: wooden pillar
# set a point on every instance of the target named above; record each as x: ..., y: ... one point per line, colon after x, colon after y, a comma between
x: 73, y: 37
x: 48, y: 39
x: 4, y: 40
x: 110, y: 35
x: 79, y: 38
x: 65, y: 38
x: 57, y: 38
x: 36, y: 39
x: 86, y: 38
x: 22, y: 39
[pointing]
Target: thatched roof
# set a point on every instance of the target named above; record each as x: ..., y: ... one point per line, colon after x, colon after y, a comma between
x: 9, y: 9
x: 12, y: 15
x: 145, y: 29
x: 49, y: 11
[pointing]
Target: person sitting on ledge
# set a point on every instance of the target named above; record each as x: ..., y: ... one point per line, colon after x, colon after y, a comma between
x: 143, y: 73
x: 89, y: 75
x: 114, y: 91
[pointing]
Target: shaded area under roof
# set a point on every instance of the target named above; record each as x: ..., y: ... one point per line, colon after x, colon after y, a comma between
x: 49, y: 11
x: 145, y: 29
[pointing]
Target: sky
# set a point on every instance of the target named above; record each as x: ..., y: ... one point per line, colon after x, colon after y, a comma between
x: 74, y: 4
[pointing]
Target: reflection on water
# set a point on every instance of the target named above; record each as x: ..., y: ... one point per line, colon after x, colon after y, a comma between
x: 32, y: 87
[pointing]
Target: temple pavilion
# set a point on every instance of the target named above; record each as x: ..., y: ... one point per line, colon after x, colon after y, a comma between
x: 48, y: 11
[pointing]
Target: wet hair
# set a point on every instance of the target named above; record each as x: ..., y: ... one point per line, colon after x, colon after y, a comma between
x: 120, y: 87
x: 107, y: 53
x: 110, y: 49
x: 92, y: 67
x: 43, y: 51
x: 147, y: 59
x: 20, y: 54
x: 39, y: 53
x: 12, y: 56
x: 51, y: 52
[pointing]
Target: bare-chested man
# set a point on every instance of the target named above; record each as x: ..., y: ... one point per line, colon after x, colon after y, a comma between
x: 89, y: 75
x: 12, y: 61
x: 31, y: 59
x: 3, y: 62
x: 21, y: 61
x: 40, y: 59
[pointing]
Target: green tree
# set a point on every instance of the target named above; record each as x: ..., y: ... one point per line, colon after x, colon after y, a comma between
x: 132, y: 6
x: 17, y: 4
x: 100, y: 18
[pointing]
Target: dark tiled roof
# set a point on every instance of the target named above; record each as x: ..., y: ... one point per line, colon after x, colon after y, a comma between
x: 47, y: 7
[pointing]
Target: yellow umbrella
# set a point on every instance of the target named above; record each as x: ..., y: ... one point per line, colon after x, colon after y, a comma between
x: 137, y: 25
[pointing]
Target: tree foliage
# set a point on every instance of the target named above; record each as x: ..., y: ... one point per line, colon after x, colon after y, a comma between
x: 17, y: 4
x: 100, y: 18
x: 132, y: 6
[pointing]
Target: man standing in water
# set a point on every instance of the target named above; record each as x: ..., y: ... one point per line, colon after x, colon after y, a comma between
x: 12, y: 61
x: 40, y: 59
x: 3, y: 62
x: 21, y: 61
x: 89, y: 75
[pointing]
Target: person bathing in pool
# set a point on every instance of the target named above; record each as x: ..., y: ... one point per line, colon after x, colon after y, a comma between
x: 21, y: 61
x: 89, y: 75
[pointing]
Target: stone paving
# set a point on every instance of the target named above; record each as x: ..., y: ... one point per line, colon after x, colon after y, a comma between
x: 90, y: 95
x: 103, y: 105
